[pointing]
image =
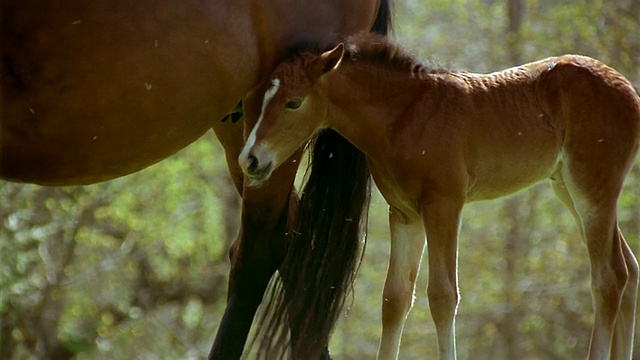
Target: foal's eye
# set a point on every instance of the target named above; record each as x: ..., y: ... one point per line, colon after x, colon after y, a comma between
x: 293, y: 104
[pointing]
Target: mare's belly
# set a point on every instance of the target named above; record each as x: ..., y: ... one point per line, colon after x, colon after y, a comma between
x: 95, y: 92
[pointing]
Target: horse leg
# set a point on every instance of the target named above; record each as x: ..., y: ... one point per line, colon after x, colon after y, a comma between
x: 441, y: 217
x: 407, y: 246
x: 626, y: 320
x: 259, y: 248
x: 255, y: 256
x: 614, y: 270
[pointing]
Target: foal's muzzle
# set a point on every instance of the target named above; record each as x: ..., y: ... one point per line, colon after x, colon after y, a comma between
x: 254, y: 168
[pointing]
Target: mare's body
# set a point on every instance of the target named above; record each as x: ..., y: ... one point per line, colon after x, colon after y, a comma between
x: 93, y: 91
x: 436, y: 140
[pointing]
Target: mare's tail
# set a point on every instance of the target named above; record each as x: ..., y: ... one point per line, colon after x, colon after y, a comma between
x: 325, y: 244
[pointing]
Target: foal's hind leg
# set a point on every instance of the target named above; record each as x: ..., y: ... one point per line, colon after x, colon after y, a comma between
x: 625, y: 323
x: 614, y: 271
x: 407, y: 245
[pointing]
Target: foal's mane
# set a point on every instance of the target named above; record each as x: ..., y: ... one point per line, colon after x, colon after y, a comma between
x: 379, y: 50
x: 374, y: 49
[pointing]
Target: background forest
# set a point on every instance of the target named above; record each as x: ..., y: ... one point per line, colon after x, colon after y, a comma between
x: 137, y: 267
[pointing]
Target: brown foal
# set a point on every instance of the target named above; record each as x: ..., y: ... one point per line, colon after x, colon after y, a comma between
x: 436, y: 140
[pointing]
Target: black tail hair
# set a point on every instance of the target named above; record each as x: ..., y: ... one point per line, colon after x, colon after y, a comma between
x: 325, y: 244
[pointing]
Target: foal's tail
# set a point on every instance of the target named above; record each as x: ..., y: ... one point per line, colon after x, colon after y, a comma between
x: 325, y: 245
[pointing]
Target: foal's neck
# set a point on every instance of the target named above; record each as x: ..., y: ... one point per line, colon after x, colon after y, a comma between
x: 369, y: 102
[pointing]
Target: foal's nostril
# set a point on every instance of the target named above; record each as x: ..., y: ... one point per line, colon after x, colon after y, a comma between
x: 253, y: 163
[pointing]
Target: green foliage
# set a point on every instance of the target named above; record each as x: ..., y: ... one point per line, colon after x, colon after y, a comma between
x: 115, y: 269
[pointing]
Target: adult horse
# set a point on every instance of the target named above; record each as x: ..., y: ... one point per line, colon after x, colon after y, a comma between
x: 92, y: 91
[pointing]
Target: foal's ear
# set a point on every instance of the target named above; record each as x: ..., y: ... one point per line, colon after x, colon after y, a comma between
x: 329, y: 60
x: 332, y: 58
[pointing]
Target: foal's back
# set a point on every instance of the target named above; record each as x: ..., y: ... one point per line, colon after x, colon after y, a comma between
x: 519, y: 124
x: 571, y: 119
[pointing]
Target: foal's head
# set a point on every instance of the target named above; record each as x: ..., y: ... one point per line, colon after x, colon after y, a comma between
x: 294, y: 108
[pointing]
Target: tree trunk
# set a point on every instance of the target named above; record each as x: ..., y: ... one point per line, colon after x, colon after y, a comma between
x: 514, y: 23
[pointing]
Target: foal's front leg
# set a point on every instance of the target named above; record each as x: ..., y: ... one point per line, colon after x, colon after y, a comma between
x: 442, y: 219
x: 407, y: 245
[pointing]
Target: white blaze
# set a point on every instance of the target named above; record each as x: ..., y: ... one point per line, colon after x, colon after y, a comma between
x: 268, y: 95
x: 244, y: 155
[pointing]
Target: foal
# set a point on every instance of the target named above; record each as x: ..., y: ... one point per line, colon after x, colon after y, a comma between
x: 436, y: 140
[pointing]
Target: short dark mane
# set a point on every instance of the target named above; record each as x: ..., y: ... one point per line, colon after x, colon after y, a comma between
x: 380, y: 50
x: 373, y: 48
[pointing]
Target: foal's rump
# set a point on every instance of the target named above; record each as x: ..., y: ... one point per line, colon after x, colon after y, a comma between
x: 579, y: 87
x: 599, y: 111
x: 524, y: 123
